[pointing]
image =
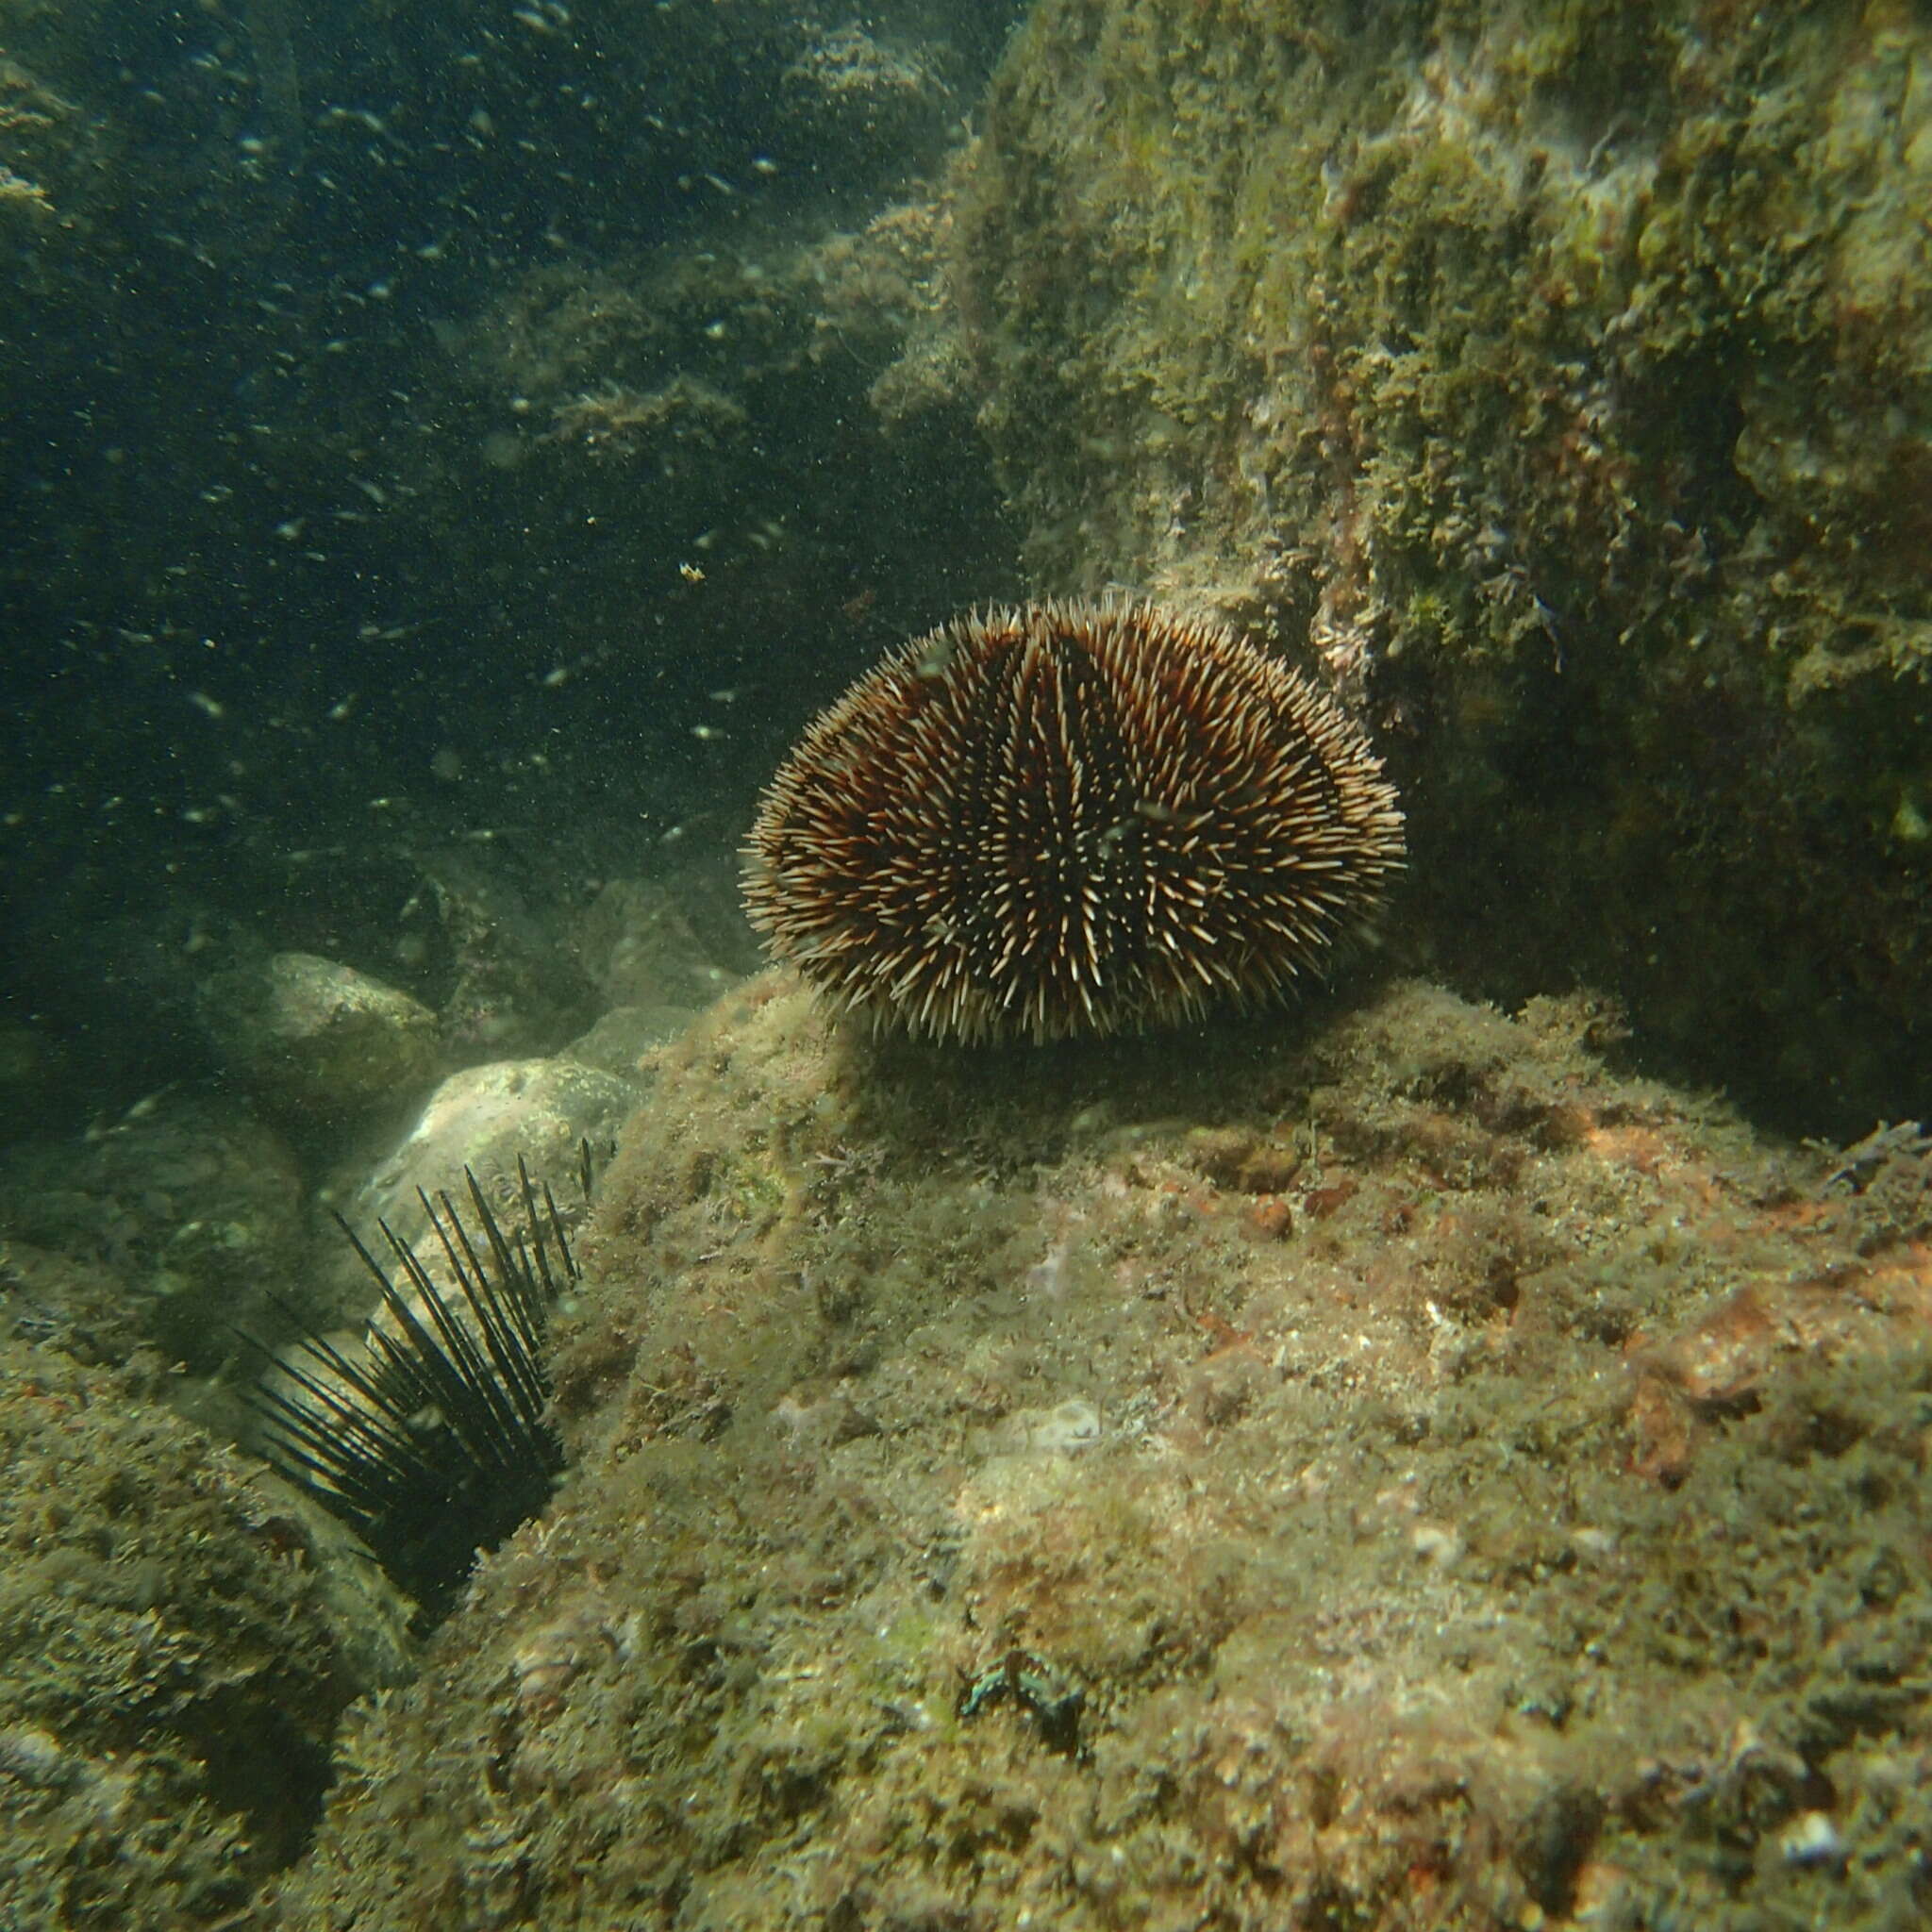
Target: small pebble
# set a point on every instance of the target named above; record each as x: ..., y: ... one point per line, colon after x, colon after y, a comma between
x: 1812, y: 1839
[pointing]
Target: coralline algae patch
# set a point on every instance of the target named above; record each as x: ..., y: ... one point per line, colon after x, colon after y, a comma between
x: 1392, y: 1475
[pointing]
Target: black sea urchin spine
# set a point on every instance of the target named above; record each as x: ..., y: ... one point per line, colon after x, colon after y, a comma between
x: 440, y: 1443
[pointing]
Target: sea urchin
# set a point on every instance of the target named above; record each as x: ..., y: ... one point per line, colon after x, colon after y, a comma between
x: 1070, y: 818
x: 431, y: 1438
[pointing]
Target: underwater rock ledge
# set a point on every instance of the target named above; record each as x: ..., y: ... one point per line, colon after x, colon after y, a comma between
x: 1388, y: 1471
x: 1562, y: 377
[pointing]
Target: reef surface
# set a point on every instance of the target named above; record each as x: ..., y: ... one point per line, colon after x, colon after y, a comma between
x: 1560, y: 376
x: 1383, y: 1469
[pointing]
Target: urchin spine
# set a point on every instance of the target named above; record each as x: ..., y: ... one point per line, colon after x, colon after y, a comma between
x: 439, y: 1443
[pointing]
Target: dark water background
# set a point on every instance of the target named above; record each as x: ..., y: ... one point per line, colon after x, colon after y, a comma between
x: 282, y: 599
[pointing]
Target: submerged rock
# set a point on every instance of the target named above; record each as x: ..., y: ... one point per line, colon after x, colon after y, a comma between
x: 483, y: 1119
x: 309, y: 1036
x: 1561, y: 380
x: 172, y: 1660
x: 193, y: 1203
x: 970, y: 1523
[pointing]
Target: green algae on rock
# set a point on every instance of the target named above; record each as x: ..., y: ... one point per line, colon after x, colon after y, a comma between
x: 971, y: 1525
x: 177, y: 1648
x: 1566, y: 371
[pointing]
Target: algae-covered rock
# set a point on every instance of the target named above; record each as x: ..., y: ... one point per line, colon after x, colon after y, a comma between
x: 171, y: 1670
x: 642, y: 946
x: 195, y: 1204
x: 971, y: 1523
x: 624, y: 1040
x: 310, y: 1036
x: 512, y: 990
x: 487, y: 1119
x: 55, y: 173
x: 1560, y: 378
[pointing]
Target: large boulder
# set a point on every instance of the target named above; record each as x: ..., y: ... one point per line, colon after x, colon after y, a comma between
x: 1396, y: 1476
x: 1561, y: 380
x: 313, y: 1037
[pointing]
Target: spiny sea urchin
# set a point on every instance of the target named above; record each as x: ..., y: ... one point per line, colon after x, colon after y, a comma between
x: 432, y: 1437
x: 1070, y: 818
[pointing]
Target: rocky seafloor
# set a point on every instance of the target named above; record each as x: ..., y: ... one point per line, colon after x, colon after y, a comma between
x: 1371, y: 1467
x: 1378, y: 1465
x: 1370, y: 1464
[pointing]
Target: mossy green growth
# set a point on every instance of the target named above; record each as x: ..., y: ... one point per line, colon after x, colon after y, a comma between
x: 1530, y: 1533
x: 170, y: 1675
x: 1560, y: 378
